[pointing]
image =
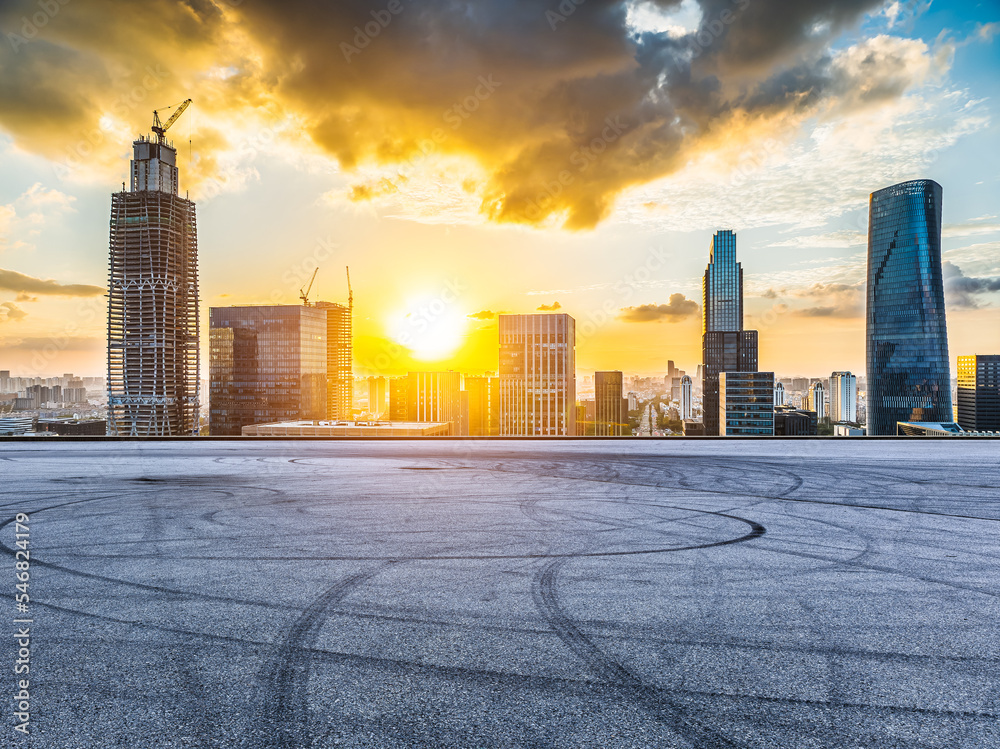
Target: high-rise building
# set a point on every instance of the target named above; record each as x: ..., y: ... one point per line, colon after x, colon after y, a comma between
x: 687, y: 405
x: 726, y: 347
x: 266, y: 364
x: 437, y: 397
x: 779, y: 394
x: 484, y: 405
x: 153, y: 345
x: 609, y: 419
x: 378, y: 396
x: 746, y: 404
x: 722, y: 286
x: 843, y: 397
x: 817, y: 400
x: 979, y: 392
x: 907, y: 339
x: 398, y: 398
x: 339, y: 359
x: 537, y: 375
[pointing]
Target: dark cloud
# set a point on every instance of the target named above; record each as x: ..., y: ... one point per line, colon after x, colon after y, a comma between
x: 961, y: 289
x: 833, y: 300
x: 483, y: 315
x: 11, y: 280
x: 678, y: 309
x: 561, y: 119
x: 549, y: 307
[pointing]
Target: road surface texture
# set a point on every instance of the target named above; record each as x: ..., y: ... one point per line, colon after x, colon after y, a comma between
x: 601, y: 593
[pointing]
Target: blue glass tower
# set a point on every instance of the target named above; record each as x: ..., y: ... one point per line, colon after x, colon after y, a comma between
x: 908, y: 374
x: 722, y: 287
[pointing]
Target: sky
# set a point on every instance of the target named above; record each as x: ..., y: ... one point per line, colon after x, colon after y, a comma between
x: 468, y: 159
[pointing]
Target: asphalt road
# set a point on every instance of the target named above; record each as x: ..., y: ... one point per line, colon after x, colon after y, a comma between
x: 831, y: 593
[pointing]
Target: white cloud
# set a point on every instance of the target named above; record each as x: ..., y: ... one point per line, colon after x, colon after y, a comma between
x: 24, y: 218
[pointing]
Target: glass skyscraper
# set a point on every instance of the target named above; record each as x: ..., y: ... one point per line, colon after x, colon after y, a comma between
x: 267, y: 363
x: 722, y: 287
x: 908, y: 374
x: 725, y: 346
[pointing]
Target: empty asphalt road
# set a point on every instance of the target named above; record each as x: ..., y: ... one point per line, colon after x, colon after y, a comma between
x: 266, y: 595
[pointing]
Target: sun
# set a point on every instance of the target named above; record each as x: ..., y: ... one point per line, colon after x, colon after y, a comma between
x: 430, y: 327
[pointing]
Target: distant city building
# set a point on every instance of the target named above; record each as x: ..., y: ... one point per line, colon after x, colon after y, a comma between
x: 14, y: 426
x: 793, y: 422
x: 266, y: 364
x: 349, y: 429
x: 484, y: 406
x: 398, y: 398
x: 687, y: 407
x: 153, y: 344
x: 74, y: 427
x: 537, y: 375
x: 608, y: 404
x: 633, y: 402
x: 726, y: 346
x: 817, y: 400
x: 339, y: 358
x: 843, y: 397
x: 693, y: 428
x: 436, y: 397
x: 979, y: 392
x: 378, y: 395
x: 907, y: 340
x: 746, y: 404
x: 779, y: 394
x: 846, y: 430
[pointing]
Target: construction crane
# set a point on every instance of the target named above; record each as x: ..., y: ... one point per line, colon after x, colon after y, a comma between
x: 161, y: 127
x: 350, y: 293
x: 304, y: 293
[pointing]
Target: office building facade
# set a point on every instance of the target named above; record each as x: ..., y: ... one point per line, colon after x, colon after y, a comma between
x: 378, y: 396
x: 152, y: 327
x: 266, y: 364
x: 483, y: 395
x: 609, y: 420
x: 908, y: 375
x: 724, y: 351
x: 817, y: 400
x: 339, y: 359
x: 794, y: 422
x: 537, y: 375
x: 979, y: 392
x: 746, y: 404
x: 436, y: 397
x: 779, y: 394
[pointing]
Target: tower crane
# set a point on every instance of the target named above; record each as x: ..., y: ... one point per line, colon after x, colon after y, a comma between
x: 350, y: 293
x: 161, y: 127
x: 304, y: 293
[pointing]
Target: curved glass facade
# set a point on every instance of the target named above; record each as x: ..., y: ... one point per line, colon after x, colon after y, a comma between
x: 908, y: 374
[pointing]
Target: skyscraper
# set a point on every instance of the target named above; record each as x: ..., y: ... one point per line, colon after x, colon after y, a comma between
x: 339, y: 357
x: 907, y: 342
x: 398, y: 397
x: 726, y: 347
x: 843, y: 397
x: 153, y: 345
x: 266, y: 364
x: 687, y: 407
x: 537, y: 375
x: 608, y: 419
x: 979, y: 393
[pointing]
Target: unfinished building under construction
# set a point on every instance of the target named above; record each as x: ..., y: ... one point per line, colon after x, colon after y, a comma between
x: 153, y: 351
x: 339, y: 356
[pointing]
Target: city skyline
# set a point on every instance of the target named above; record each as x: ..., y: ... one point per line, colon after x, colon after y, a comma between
x: 274, y: 204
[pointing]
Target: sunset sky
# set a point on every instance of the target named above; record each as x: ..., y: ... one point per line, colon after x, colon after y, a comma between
x: 472, y: 158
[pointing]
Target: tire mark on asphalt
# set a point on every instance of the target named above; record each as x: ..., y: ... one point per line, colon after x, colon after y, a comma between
x: 285, y: 712
x: 669, y: 711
